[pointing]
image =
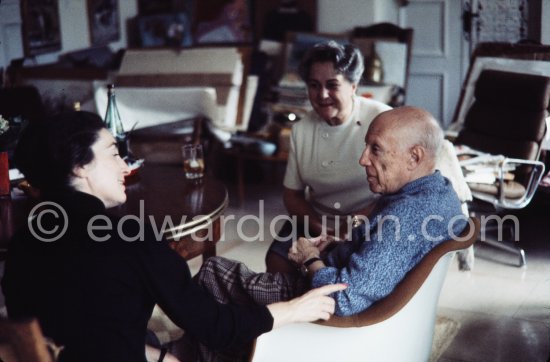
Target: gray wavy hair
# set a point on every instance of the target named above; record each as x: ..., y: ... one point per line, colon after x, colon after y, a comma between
x: 347, y: 60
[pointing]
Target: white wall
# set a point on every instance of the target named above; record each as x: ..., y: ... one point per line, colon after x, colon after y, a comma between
x: 386, y: 10
x: 73, y: 23
x: 342, y: 15
x: 10, y: 31
x: 337, y: 16
x: 545, y: 24
x: 333, y: 17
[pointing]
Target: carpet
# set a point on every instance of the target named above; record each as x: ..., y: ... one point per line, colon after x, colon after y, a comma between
x: 444, y: 333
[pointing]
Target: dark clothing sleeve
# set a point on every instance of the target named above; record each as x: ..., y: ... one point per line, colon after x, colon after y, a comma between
x: 216, y: 325
x: 96, y: 297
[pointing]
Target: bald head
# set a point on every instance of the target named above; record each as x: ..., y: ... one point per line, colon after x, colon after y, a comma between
x: 401, y: 146
x: 414, y: 126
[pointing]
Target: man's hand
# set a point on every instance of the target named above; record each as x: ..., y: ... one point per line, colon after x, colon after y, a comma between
x: 323, y: 241
x: 302, y: 250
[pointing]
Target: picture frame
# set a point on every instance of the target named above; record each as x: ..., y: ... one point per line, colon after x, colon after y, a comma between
x: 223, y: 22
x: 165, y: 30
x: 103, y: 21
x: 392, y: 54
x: 40, y: 31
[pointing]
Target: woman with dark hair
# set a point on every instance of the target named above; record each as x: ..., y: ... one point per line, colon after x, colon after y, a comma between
x: 93, y: 292
x: 323, y: 183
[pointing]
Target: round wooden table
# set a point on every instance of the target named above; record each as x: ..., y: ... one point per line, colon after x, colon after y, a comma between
x: 188, y: 213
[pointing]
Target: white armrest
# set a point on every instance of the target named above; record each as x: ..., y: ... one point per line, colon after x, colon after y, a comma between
x: 411, y: 328
x: 500, y: 200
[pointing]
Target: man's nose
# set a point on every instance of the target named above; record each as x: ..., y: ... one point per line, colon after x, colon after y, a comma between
x: 323, y: 92
x: 364, y: 159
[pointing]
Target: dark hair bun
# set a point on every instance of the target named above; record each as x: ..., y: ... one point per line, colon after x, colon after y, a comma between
x: 49, y: 150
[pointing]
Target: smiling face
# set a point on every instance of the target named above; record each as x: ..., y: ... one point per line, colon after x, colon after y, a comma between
x: 104, y: 176
x: 330, y: 94
x: 387, y: 162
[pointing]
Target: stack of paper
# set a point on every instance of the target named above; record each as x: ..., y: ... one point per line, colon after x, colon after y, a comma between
x: 480, y: 167
x: 220, y: 68
x: 210, y: 66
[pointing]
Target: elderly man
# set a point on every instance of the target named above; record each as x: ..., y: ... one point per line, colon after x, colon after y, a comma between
x: 417, y: 210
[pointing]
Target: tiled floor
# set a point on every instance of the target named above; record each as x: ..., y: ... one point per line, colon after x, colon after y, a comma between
x: 503, y: 310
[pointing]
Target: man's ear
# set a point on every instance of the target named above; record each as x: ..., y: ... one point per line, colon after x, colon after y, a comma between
x: 417, y: 154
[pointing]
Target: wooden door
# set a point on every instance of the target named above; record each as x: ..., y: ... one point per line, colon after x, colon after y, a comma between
x: 439, y: 56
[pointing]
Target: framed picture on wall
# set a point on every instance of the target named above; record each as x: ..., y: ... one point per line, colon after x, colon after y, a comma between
x: 41, y: 31
x: 223, y: 21
x: 165, y: 30
x: 104, y: 21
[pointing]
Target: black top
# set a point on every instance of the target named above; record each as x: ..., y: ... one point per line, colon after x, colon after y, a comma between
x: 95, y: 298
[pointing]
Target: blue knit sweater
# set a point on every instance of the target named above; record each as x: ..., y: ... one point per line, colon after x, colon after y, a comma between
x: 402, y: 229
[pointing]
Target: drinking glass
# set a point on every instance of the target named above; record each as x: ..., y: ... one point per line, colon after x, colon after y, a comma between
x: 193, y: 161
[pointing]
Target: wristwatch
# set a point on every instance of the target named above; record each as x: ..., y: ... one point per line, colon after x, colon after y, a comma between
x: 305, y: 266
x: 356, y: 221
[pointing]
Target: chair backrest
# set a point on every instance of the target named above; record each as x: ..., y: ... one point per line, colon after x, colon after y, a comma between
x: 388, y: 32
x: 508, y: 114
x: 399, y: 327
x: 514, y: 57
x: 22, y: 341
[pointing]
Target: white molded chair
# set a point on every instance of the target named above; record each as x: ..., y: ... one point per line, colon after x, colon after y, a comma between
x: 399, y: 327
